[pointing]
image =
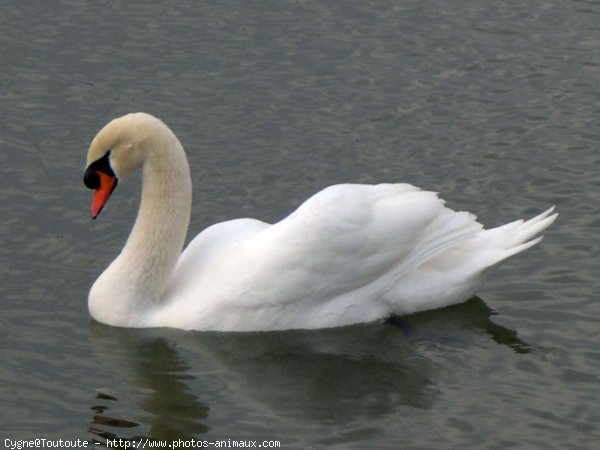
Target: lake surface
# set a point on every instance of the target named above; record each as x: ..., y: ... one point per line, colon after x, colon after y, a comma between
x: 493, y: 104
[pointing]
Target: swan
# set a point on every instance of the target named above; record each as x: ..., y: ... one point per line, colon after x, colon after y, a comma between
x: 351, y: 253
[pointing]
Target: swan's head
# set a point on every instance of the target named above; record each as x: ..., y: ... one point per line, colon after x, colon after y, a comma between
x: 118, y: 149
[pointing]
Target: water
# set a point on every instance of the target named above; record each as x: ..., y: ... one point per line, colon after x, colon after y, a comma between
x: 493, y: 105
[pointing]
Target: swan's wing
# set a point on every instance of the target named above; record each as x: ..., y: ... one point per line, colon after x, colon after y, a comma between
x: 330, y: 261
x: 207, y: 249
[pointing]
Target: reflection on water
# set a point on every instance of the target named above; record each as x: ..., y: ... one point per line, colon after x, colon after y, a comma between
x: 473, y: 315
x: 330, y: 376
x: 158, y: 376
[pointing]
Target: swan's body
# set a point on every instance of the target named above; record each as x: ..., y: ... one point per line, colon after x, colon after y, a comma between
x: 350, y: 254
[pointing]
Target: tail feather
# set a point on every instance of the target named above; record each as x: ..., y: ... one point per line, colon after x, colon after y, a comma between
x: 519, y: 248
x: 534, y: 226
x: 456, y: 260
x: 521, y: 235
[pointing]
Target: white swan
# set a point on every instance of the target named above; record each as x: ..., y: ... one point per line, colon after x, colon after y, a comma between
x: 351, y: 253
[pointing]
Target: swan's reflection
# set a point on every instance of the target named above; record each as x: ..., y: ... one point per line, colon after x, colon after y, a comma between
x: 158, y: 379
x: 333, y: 376
x: 458, y: 323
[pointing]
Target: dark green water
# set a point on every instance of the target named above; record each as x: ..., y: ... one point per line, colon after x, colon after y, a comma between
x: 495, y: 105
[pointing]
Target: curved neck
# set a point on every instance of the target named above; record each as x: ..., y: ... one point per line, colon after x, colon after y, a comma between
x: 158, y: 235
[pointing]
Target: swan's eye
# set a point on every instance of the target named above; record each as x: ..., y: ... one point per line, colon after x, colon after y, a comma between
x: 91, y: 178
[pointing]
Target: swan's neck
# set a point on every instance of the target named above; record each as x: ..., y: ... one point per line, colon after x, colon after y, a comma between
x: 136, y: 280
x: 158, y: 235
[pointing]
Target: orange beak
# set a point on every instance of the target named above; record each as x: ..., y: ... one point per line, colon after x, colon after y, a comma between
x: 102, y: 193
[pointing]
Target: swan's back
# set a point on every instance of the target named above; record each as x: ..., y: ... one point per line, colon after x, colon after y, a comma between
x: 349, y: 254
